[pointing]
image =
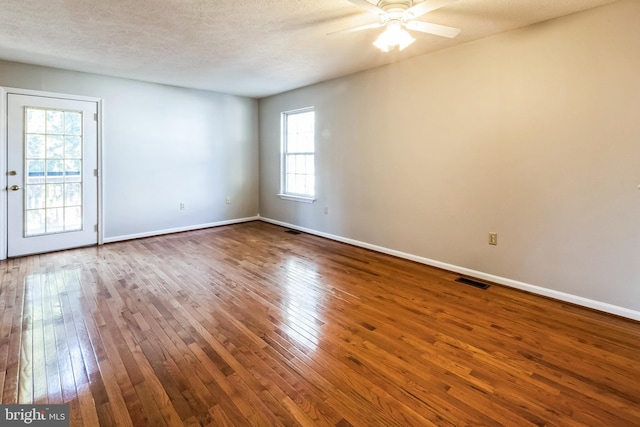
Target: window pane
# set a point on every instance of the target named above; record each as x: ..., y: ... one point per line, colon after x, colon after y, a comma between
x: 35, y: 171
x: 35, y: 121
x: 35, y: 223
x: 288, y: 185
x: 310, y: 185
x: 73, y: 123
x: 72, y: 170
x: 55, y: 169
x: 306, y: 122
x: 290, y: 163
x: 305, y: 142
x: 73, y: 194
x: 298, y: 184
x: 310, y: 167
x: 293, y: 146
x: 55, y: 147
x: 300, y: 143
x: 292, y: 123
x: 300, y: 163
x: 55, y: 220
x: 55, y: 195
x: 73, y: 147
x: 292, y: 183
x: 35, y: 197
x: 35, y: 147
x: 301, y: 122
x: 55, y: 122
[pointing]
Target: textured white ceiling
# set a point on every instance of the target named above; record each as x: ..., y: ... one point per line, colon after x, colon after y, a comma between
x: 246, y: 47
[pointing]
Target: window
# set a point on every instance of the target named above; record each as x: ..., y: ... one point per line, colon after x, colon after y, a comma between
x: 53, y: 163
x: 298, y: 155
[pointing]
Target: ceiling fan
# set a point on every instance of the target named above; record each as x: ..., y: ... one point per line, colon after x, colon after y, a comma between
x: 396, y: 15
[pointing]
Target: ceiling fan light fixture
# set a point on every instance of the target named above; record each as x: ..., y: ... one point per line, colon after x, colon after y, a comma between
x: 394, y: 35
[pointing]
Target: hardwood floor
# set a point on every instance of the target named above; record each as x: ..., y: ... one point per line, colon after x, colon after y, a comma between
x: 249, y: 325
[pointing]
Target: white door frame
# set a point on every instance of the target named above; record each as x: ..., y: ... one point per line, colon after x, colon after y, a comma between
x: 4, y: 94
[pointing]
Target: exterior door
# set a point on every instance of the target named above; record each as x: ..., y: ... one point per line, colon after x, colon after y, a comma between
x: 52, y: 191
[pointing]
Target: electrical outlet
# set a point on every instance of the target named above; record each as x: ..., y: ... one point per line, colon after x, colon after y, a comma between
x: 181, y: 206
x: 228, y: 200
x: 326, y: 210
x: 493, y: 238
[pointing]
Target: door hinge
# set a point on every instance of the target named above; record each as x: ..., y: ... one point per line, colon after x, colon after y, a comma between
x: 95, y: 117
x: 95, y: 172
x: 95, y: 228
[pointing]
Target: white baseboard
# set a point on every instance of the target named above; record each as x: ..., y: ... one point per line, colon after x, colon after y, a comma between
x: 178, y: 230
x: 562, y: 296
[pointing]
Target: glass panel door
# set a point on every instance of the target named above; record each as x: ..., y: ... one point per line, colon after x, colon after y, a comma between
x: 52, y: 155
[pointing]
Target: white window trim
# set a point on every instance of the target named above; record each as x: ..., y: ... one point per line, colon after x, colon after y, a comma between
x: 291, y: 196
x: 294, y: 198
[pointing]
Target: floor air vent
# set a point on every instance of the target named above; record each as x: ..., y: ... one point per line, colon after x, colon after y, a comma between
x: 292, y: 232
x: 473, y: 283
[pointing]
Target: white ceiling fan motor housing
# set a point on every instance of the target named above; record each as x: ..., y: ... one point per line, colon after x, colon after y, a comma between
x: 390, y: 6
x: 394, y: 5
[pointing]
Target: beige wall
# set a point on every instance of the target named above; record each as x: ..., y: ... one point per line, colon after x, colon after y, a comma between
x: 533, y: 134
x: 162, y: 146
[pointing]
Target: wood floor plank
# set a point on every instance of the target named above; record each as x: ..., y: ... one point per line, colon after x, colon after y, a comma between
x: 86, y: 408
x: 116, y: 408
x: 50, y: 303
x: 7, y: 304
x: 249, y: 325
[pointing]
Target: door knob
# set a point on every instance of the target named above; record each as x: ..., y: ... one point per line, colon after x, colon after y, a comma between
x: 14, y: 188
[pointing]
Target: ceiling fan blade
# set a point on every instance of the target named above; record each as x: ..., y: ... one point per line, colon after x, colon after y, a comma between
x: 424, y: 7
x: 369, y: 6
x: 437, y: 29
x: 360, y: 28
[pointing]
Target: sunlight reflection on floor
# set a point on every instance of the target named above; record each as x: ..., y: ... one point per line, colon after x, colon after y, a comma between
x: 50, y: 351
x: 304, y: 300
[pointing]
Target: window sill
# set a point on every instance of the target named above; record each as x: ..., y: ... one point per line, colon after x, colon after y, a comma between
x: 293, y: 198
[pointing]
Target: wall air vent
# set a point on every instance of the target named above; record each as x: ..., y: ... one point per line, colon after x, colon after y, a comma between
x: 473, y: 283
